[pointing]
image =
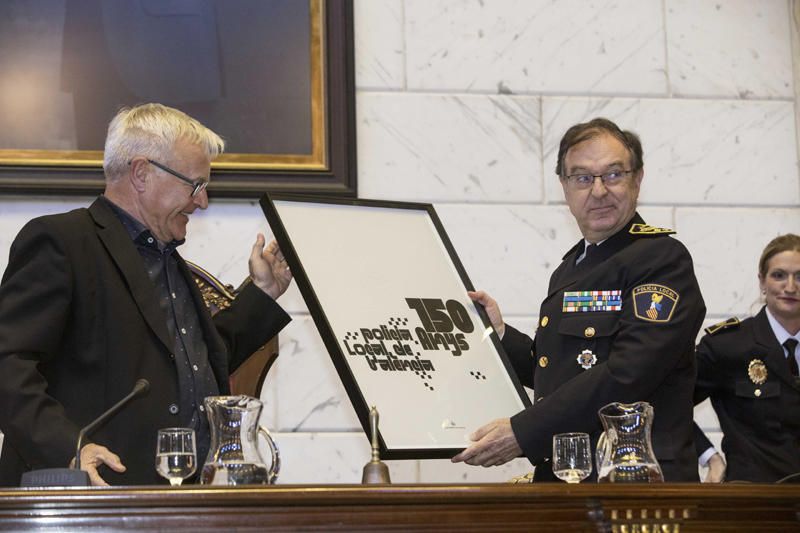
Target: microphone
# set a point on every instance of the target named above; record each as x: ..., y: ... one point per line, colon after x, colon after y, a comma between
x: 75, y: 477
x: 142, y: 387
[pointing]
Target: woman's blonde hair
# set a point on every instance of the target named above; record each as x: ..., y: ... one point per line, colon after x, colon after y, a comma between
x: 784, y: 243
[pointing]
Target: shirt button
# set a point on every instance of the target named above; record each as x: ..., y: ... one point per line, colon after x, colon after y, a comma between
x: 149, y: 240
x: 183, y: 330
x: 173, y: 296
x: 194, y: 367
x: 173, y: 409
x: 589, y: 332
x: 543, y: 361
x: 757, y: 393
x: 202, y: 409
x: 545, y: 321
x: 172, y: 356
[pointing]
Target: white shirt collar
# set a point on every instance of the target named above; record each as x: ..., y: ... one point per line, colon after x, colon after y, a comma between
x: 586, y: 244
x: 598, y: 243
x: 780, y: 332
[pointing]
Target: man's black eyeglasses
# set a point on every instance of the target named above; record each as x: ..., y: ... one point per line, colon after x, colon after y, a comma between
x: 198, y: 185
x: 585, y: 180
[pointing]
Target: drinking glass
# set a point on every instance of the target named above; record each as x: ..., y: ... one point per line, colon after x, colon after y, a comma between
x: 176, y: 458
x: 572, y: 457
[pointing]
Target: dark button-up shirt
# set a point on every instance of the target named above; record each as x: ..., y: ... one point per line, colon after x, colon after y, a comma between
x: 189, y: 351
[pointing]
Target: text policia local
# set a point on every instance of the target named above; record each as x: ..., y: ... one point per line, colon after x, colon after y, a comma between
x: 439, y: 321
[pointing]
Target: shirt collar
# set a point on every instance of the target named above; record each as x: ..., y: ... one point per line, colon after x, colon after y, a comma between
x: 586, y: 245
x: 138, y: 232
x: 780, y: 332
x: 612, y: 244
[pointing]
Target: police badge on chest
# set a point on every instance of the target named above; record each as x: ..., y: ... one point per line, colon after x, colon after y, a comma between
x: 587, y: 359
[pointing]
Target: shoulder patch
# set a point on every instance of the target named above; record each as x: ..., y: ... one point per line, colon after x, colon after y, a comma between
x: 647, y: 229
x: 732, y: 322
x: 654, y: 303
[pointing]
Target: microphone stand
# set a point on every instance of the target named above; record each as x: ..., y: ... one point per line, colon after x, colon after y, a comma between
x: 75, y: 477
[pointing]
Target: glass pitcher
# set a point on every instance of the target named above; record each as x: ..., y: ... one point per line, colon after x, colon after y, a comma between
x: 233, y: 458
x: 625, y: 451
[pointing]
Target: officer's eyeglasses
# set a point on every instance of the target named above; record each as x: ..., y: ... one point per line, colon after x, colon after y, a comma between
x: 198, y: 185
x: 586, y: 181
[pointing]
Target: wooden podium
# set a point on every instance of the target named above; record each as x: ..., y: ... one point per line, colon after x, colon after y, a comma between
x: 663, y: 508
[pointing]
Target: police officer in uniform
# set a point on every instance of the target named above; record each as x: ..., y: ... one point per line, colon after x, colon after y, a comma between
x: 618, y: 323
x: 749, y: 369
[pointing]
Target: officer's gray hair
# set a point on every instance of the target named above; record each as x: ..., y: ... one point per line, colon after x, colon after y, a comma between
x: 151, y: 130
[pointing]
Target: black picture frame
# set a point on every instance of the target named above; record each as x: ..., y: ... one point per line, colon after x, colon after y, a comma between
x: 322, y: 228
x: 330, y: 171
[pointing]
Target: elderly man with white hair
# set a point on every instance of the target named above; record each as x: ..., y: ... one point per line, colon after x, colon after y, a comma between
x: 94, y: 299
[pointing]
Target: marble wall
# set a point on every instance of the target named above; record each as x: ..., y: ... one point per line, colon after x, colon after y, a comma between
x: 461, y: 103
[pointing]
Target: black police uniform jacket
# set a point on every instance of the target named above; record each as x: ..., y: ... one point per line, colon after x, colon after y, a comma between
x: 640, y: 350
x: 79, y: 324
x: 743, y: 369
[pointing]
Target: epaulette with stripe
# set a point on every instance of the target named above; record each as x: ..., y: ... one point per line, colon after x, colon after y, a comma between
x: 647, y: 229
x: 725, y: 324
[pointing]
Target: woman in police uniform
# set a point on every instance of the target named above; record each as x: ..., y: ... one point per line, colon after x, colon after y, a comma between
x: 749, y: 370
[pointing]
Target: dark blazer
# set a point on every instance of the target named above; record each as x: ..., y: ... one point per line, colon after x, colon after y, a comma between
x: 79, y: 324
x: 758, y: 405
x: 638, y: 357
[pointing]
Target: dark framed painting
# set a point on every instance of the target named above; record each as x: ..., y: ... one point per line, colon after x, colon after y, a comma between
x: 275, y: 78
x: 388, y: 295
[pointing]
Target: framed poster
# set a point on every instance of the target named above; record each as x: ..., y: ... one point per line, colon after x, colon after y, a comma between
x: 388, y: 294
x: 273, y: 77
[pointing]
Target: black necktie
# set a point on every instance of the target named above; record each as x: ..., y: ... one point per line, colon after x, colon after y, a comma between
x: 790, y: 345
x: 588, y: 250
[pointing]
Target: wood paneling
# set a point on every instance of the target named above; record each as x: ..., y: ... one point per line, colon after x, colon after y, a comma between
x: 548, y: 507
